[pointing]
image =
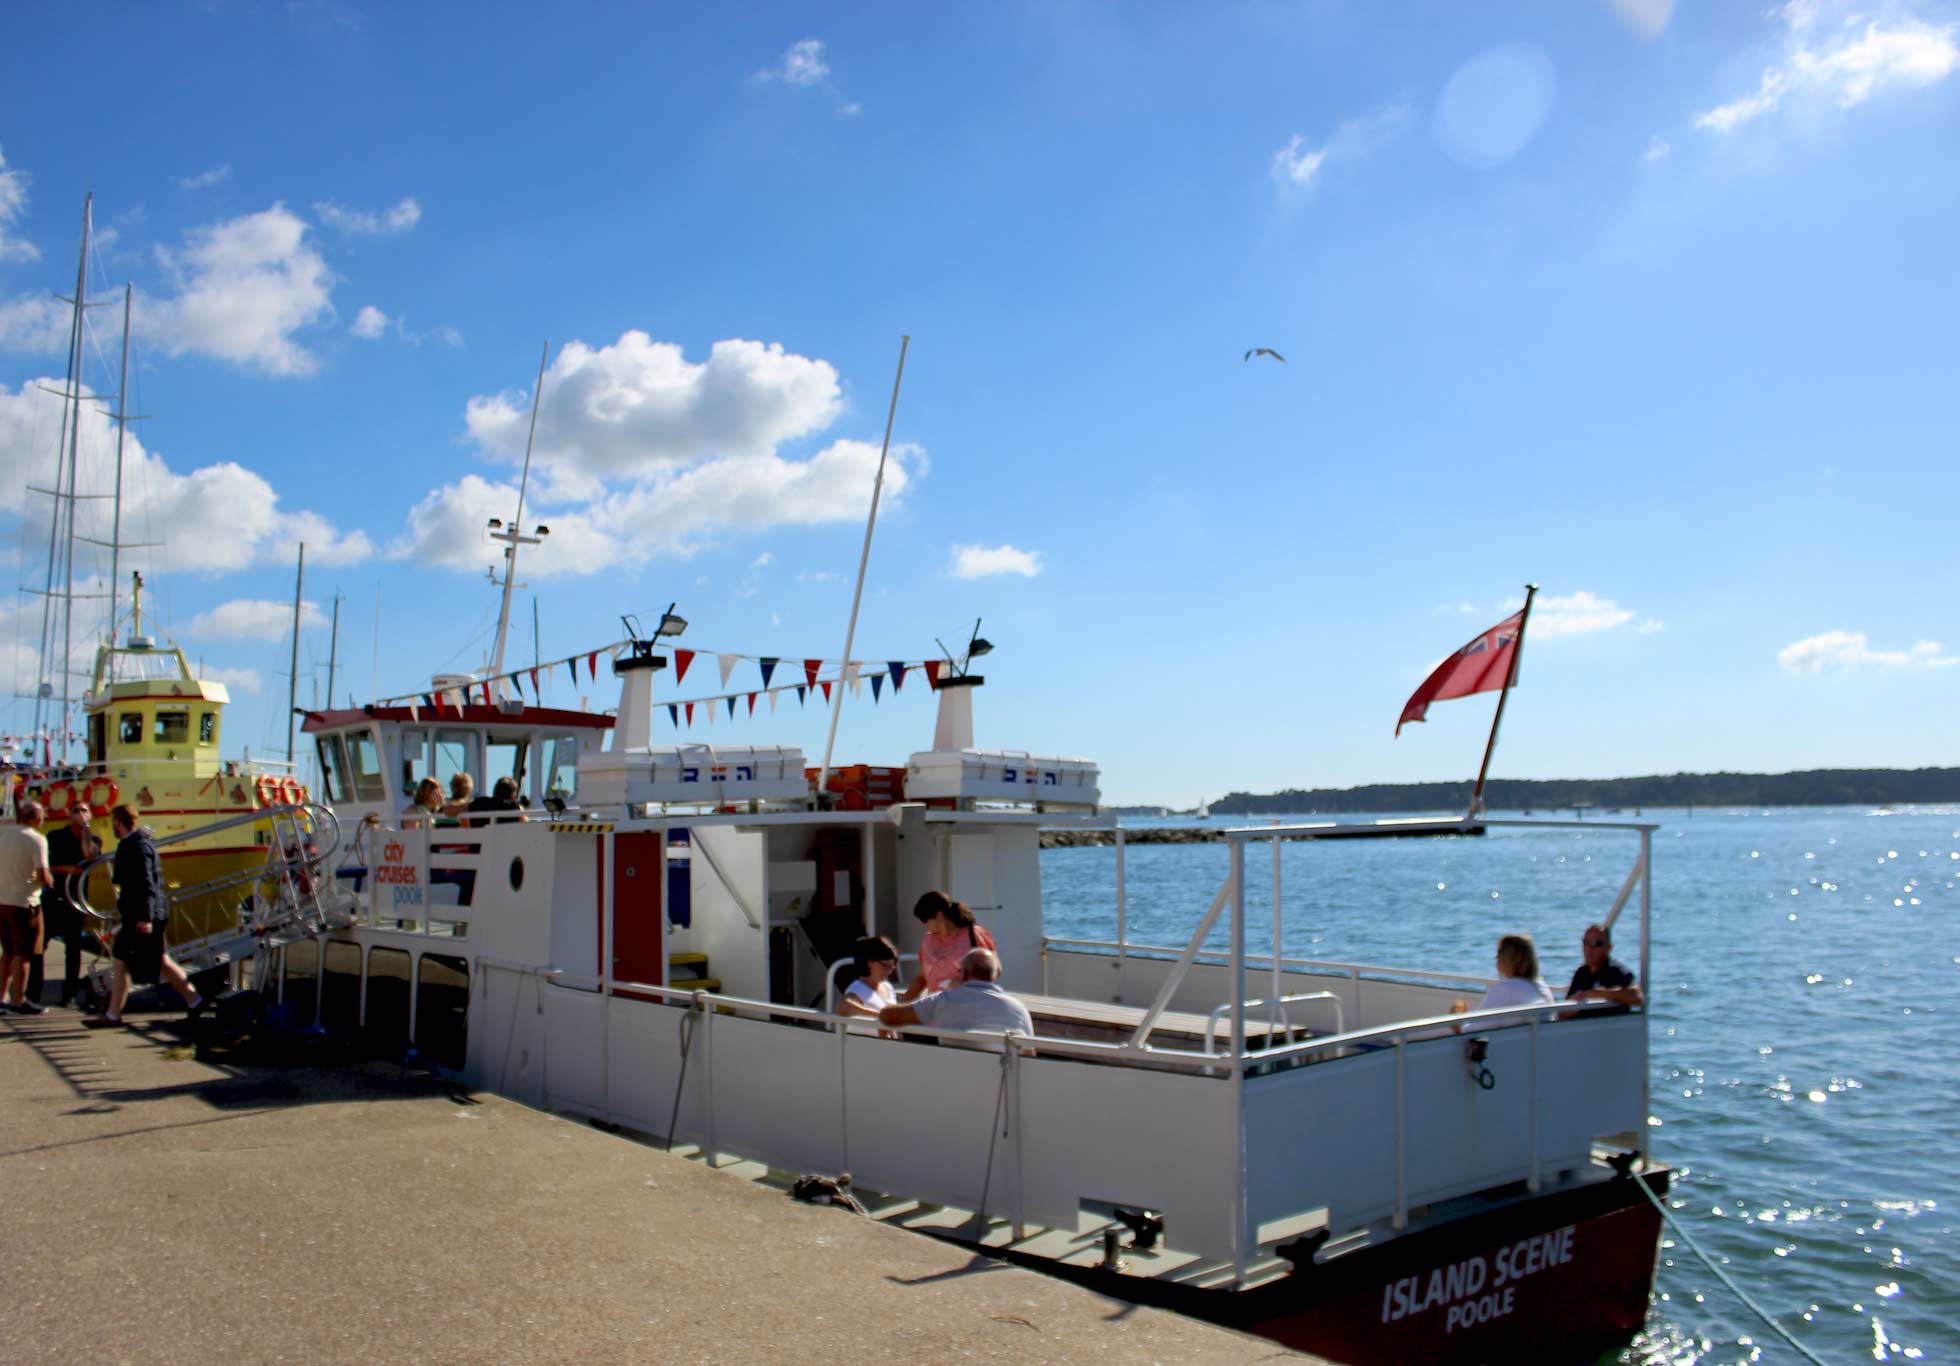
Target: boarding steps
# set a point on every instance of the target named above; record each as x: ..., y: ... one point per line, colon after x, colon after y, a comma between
x: 288, y: 898
x: 689, y: 972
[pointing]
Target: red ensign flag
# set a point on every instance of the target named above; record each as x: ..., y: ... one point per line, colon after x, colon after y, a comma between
x: 1484, y: 665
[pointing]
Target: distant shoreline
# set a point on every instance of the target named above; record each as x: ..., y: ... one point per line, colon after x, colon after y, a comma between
x: 1809, y: 787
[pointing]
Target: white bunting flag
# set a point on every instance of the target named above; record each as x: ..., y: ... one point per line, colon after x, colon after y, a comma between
x: 855, y: 679
x: 727, y: 663
x: 414, y: 712
x: 772, y: 700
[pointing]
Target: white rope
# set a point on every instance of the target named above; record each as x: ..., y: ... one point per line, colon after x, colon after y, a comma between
x: 1668, y: 1216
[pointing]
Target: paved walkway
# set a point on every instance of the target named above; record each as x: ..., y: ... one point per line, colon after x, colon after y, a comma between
x: 160, y: 1209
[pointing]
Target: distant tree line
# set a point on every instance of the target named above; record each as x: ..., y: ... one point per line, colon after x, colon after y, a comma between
x: 1813, y: 787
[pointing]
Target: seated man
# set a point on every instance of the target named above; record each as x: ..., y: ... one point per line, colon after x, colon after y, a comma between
x: 1602, y: 977
x: 975, y: 1003
x: 502, y: 798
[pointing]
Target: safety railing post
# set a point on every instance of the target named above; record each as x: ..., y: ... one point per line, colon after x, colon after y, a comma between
x: 1647, y: 986
x: 1401, y: 1135
x: 708, y: 1080
x: 1239, y: 1231
x: 1535, y: 1180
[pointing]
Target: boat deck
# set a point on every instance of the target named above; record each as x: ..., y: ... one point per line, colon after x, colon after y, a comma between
x: 190, y: 1212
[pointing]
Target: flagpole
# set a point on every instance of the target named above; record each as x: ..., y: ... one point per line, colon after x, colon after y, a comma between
x: 1510, y: 678
x: 864, y: 559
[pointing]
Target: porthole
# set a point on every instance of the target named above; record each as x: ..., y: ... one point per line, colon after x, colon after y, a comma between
x: 516, y: 874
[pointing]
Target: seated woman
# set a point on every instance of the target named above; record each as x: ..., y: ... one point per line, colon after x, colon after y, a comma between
x: 951, y: 934
x: 425, y: 806
x: 876, y: 960
x: 1517, y: 981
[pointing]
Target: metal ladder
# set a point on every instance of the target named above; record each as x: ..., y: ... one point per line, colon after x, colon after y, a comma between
x: 285, y: 899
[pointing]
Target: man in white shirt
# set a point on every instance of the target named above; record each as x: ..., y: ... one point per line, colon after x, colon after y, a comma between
x: 23, y: 876
x: 976, y: 1003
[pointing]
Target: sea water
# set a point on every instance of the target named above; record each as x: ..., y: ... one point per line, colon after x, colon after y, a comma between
x: 1805, y: 1045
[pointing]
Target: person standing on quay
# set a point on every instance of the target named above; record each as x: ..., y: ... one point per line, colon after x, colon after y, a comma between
x: 139, y: 948
x: 23, y: 877
x: 74, y: 846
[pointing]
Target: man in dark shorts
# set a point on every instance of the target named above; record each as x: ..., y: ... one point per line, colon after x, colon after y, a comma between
x: 68, y: 848
x: 1602, y: 977
x: 139, y: 949
x: 23, y: 877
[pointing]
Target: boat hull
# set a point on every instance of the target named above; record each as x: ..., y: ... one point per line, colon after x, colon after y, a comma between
x: 1556, y: 1278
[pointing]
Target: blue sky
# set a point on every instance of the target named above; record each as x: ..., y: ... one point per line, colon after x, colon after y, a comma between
x: 1652, y: 307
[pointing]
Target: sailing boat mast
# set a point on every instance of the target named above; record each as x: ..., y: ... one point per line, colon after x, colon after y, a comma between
x: 513, y: 536
x: 122, y: 427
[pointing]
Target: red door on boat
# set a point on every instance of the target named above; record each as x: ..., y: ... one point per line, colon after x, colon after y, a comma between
x: 638, y: 864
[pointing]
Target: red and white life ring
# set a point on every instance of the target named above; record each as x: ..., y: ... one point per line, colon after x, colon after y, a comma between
x: 268, y: 790
x: 103, y: 793
x: 290, y: 792
x: 59, y: 797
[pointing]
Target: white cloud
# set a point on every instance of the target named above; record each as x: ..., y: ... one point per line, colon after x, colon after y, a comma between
x: 238, y: 680
x: 13, y: 199
x: 220, y: 516
x: 1647, y: 18
x: 978, y: 561
x: 244, y: 287
x: 446, y: 529
x: 36, y: 323
x: 254, y: 619
x: 637, y: 407
x: 1650, y: 626
x: 1657, y: 150
x: 369, y: 323
x: 803, y: 64
x: 1297, y: 166
x: 1850, y: 649
x: 363, y: 223
x: 1844, y: 68
x: 759, y: 561
x: 204, y: 180
x: 1576, y: 614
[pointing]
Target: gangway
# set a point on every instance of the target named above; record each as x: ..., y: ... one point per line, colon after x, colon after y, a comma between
x: 287, y: 898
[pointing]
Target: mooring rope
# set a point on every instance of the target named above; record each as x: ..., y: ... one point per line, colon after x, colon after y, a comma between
x: 1667, y: 1216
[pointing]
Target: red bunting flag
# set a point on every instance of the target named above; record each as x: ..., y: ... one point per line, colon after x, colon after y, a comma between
x: 534, y: 685
x: 826, y: 690
x: 592, y: 665
x: 751, y: 704
x: 682, y: 658
x: 1484, y: 665
x: 690, y: 713
x: 486, y: 692
x: 810, y: 667
x: 932, y: 672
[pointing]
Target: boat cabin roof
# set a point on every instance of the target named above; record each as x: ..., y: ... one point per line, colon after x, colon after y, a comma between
x: 474, y: 714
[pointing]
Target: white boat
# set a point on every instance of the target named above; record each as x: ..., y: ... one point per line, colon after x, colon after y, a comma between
x: 1304, y: 1149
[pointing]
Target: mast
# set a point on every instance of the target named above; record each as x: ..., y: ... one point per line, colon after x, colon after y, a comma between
x: 44, y: 687
x: 513, y: 536
x: 292, y: 681
x: 74, y: 460
x: 122, y: 426
x: 864, y: 560
x: 333, y: 649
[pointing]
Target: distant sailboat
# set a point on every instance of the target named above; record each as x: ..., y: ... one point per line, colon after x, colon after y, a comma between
x: 1204, y: 809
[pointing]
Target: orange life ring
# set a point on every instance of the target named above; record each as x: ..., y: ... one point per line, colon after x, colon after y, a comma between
x: 268, y: 790
x: 65, y: 791
x: 95, y: 797
x: 289, y: 790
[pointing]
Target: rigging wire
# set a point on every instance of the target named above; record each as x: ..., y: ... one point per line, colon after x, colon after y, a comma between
x: 1667, y: 1216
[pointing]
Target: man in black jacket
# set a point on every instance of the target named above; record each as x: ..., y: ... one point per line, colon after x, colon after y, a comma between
x: 139, y: 948
x: 68, y: 848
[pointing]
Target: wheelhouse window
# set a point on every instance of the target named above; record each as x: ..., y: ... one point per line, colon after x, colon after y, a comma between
x: 364, y: 767
x: 207, y: 728
x: 504, y: 758
x: 129, y: 728
x: 173, y: 727
x: 333, y: 769
x: 415, y: 760
x: 456, y: 752
x: 559, y: 772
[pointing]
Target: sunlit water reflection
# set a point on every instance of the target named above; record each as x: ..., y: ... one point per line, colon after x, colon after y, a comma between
x: 1806, y: 1035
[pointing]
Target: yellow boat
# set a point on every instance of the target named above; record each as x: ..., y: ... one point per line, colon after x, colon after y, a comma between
x: 154, y: 729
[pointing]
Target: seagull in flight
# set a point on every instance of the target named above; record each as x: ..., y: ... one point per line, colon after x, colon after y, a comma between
x: 1265, y: 351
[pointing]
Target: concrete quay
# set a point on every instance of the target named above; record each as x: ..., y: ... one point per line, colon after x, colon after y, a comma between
x: 161, y: 1209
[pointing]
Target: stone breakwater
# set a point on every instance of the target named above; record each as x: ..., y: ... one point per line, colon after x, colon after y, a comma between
x: 1085, y: 839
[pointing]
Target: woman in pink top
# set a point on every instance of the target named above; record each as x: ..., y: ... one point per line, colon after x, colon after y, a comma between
x: 951, y: 933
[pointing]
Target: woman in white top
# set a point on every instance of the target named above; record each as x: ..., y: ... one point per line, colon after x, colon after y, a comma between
x: 1517, y: 981
x: 877, y: 964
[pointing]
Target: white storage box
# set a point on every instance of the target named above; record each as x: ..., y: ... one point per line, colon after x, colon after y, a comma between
x: 688, y: 775
x: 1001, y: 776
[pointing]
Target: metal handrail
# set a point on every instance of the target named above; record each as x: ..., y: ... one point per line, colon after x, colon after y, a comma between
x: 830, y: 982
x: 76, y: 889
x: 1240, y: 834
x: 1133, y: 948
x: 1217, y: 1011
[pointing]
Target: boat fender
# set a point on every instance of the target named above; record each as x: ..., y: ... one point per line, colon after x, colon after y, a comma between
x: 60, y: 796
x: 103, y: 793
x: 1474, y: 1053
